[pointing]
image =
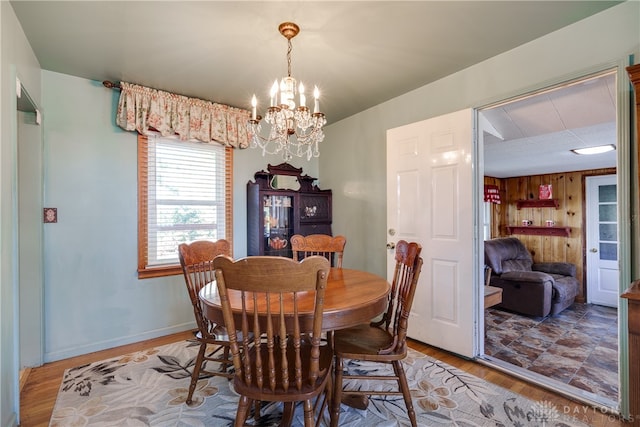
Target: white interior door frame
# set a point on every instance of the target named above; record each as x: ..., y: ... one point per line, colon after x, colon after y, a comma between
x: 625, y: 158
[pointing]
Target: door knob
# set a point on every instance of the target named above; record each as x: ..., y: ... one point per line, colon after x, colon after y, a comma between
x: 391, y: 245
x: 594, y: 250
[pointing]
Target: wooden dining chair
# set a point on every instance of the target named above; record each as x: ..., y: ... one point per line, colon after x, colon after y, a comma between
x: 282, y: 358
x: 196, y: 260
x: 383, y: 341
x: 324, y: 245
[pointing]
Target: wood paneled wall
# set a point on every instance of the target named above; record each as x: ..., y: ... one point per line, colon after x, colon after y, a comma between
x: 568, y: 189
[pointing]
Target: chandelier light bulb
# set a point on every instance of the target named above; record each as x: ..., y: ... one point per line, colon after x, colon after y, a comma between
x: 303, y: 99
x: 288, y: 130
x: 283, y: 92
x: 254, y: 104
x: 274, y: 93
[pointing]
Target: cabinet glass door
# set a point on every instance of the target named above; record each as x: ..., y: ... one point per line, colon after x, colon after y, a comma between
x: 278, y: 224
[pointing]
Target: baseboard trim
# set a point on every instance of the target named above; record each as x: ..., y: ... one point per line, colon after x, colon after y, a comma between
x: 104, y: 345
x: 24, y: 375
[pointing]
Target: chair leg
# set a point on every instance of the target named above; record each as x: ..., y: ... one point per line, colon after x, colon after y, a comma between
x: 325, y: 396
x: 256, y: 410
x: 308, y: 413
x: 337, y: 393
x: 406, y: 394
x: 224, y: 360
x: 244, y: 403
x: 224, y: 366
x: 287, y: 414
x: 256, y: 414
x: 195, y: 375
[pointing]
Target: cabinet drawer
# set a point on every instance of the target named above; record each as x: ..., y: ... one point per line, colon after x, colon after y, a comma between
x: 307, y: 229
x: 315, y: 208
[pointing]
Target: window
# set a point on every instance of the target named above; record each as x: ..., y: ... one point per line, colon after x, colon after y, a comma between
x: 486, y: 221
x: 184, y: 194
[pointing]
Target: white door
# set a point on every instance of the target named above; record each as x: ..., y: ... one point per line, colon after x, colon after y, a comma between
x: 602, y: 240
x: 429, y: 200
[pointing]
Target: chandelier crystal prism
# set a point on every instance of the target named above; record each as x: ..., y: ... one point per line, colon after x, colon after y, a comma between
x: 289, y: 130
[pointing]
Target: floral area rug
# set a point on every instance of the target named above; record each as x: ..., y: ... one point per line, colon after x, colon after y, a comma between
x: 149, y: 388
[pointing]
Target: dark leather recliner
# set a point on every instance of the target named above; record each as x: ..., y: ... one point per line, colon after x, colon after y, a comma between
x: 539, y: 289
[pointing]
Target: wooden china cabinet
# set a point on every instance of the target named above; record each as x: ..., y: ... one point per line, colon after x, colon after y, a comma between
x: 282, y: 202
x: 632, y: 294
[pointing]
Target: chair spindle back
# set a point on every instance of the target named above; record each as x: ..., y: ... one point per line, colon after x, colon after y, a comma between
x: 271, y: 357
x: 196, y: 260
x: 403, y: 288
x: 324, y: 245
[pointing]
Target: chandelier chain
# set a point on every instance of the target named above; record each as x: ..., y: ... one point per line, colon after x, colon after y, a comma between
x: 289, y: 50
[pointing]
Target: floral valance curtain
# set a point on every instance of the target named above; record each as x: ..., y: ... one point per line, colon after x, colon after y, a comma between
x: 141, y: 108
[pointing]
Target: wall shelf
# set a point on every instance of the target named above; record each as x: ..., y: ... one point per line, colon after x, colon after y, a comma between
x: 540, y: 231
x: 545, y: 203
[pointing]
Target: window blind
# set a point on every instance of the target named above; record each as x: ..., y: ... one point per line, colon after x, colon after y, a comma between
x: 186, y: 196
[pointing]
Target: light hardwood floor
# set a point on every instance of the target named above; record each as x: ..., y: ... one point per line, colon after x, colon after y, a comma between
x: 41, y: 386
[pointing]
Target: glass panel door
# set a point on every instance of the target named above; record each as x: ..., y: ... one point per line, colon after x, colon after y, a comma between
x: 278, y: 224
x: 603, y: 275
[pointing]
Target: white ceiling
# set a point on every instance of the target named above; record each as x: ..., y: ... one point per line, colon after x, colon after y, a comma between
x: 359, y: 53
x: 534, y: 135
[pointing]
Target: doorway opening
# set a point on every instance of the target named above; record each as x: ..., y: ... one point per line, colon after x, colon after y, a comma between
x: 542, y: 201
x: 30, y: 234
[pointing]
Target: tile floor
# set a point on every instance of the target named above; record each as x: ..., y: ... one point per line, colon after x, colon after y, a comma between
x: 578, y: 346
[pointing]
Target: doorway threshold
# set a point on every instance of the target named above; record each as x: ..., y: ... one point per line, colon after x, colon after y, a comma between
x: 600, y: 403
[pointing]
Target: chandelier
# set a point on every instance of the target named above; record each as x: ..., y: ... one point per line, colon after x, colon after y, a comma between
x: 289, y: 129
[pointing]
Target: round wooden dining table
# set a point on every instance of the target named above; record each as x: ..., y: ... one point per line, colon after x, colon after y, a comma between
x: 352, y: 297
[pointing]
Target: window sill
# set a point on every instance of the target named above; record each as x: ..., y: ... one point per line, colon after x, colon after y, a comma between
x: 169, y: 270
